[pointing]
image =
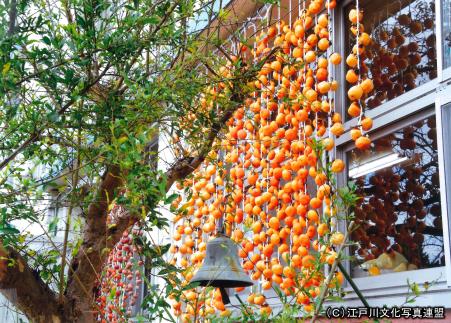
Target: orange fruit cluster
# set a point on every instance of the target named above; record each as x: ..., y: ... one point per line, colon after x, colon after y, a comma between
x: 274, y: 187
x: 359, y: 89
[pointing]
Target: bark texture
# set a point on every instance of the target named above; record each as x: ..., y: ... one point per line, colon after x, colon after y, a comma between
x: 23, y: 287
x: 86, y: 266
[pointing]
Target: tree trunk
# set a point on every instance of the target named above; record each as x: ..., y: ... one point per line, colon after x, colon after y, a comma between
x: 23, y: 287
x: 80, y: 311
x: 85, y: 268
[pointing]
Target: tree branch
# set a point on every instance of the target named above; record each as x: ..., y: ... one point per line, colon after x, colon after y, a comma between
x: 12, y: 17
x: 185, y: 166
x: 97, y: 238
x: 75, y: 177
x: 23, y: 287
x: 37, y: 133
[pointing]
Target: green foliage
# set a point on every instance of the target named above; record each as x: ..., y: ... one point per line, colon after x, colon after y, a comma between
x: 415, y: 290
x: 47, y: 262
x: 86, y: 86
x: 348, y: 196
x: 155, y: 302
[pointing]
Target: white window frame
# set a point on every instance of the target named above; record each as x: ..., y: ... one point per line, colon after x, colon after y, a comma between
x: 443, y: 73
x: 377, y: 286
x: 426, y: 99
x: 442, y: 103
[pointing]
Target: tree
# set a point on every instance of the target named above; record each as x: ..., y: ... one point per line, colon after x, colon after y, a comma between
x: 86, y: 86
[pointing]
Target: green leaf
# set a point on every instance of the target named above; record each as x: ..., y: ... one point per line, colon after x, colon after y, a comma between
x: 46, y: 40
x: 8, y: 230
x: 415, y: 289
x: 171, y: 198
x: 112, y: 293
x: 152, y: 20
x: 6, y: 68
x: 53, y: 225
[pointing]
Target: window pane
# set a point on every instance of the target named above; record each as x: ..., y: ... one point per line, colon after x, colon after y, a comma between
x: 402, y: 55
x: 446, y: 132
x: 399, y: 218
x: 446, y: 33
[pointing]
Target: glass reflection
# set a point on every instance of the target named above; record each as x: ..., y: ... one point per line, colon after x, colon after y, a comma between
x: 446, y: 33
x: 399, y: 217
x: 402, y: 54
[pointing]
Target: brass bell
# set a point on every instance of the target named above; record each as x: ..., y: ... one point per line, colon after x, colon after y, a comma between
x: 221, y: 267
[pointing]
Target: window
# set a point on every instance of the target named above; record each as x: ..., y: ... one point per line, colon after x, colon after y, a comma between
x: 402, y: 225
x: 399, y: 219
x: 444, y: 122
x: 402, y: 55
x: 446, y: 13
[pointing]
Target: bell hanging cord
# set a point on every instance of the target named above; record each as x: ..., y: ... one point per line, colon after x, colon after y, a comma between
x: 220, y: 229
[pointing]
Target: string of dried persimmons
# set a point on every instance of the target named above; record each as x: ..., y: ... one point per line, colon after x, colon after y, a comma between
x: 279, y: 197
